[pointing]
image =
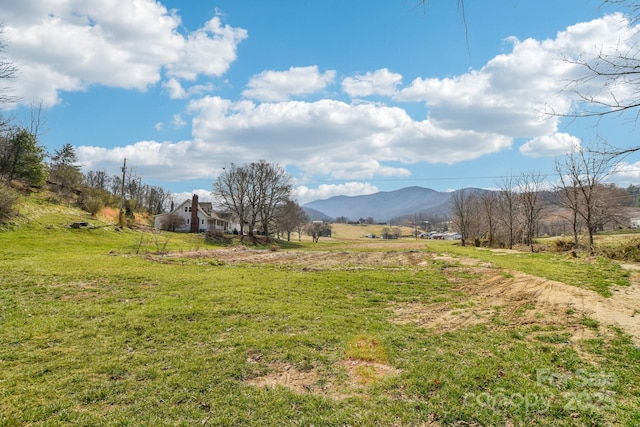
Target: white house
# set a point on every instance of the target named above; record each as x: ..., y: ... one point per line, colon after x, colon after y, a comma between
x: 191, y: 216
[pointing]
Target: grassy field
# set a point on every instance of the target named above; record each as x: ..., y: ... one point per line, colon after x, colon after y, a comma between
x: 100, y: 327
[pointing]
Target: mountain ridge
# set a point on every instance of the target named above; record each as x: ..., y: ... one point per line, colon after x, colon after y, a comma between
x: 385, y: 205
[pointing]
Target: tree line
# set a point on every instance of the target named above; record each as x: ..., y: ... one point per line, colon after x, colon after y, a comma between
x: 514, y: 214
x: 23, y: 159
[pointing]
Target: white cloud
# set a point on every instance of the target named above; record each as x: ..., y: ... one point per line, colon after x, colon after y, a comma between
x: 512, y: 92
x: 175, y: 89
x: 471, y: 115
x: 334, y: 138
x: 380, y: 82
x: 69, y: 45
x: 208, y: 51
x: 178, y: 121
x: 158, y: 126
x: 326, y: 137
x: 281, y: 85
x: 153, y: 160
x: 203, y: 196
x: 628, y: 173
x: 305, y: 194
x: 550, y: 145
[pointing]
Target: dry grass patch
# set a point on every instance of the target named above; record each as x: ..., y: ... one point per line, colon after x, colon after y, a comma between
x: 365, y: 364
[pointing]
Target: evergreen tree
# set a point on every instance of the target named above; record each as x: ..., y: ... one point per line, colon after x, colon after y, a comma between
x: 64, y: 168
x: 22, y: 158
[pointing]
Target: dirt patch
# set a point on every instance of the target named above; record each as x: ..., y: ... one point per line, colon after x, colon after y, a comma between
x: 289, y: 377
x: 316, y: 260
x: 360, y: 374
x: 523, y: 299
x: 558, y: 298
x: 440, y: 316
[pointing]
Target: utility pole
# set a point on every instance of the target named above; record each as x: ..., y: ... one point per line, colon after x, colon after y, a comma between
x: 121, y: 215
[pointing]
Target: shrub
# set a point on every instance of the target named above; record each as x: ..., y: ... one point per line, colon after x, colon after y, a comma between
x: 627, y: 251
x: 93, y: 205
x: 215, y: 236
x: 8, y: 198
x: 172, y: 222
x: 563, y: 245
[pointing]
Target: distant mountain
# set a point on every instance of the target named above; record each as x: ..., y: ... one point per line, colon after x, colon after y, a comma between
x: 315, y: 215
x: 386, y: 205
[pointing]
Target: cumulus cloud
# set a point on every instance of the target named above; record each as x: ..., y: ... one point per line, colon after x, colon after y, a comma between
x: 154, y: 160
x: 335, y: 138
x: 628, y: 173
x: 550, y: 145
x: 281, y: 85
x: 208, y: 51
x: 512, y: 92
x: 380, y: 82
x: 70, y: 45
x: 469, y: 116
x: 175, y: 89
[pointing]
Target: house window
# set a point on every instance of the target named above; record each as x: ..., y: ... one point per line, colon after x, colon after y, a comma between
x: 203, y: 222
x: 187, y: 221
x: 187, y: 208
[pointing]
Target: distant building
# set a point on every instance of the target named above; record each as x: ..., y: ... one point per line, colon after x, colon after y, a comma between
x: 635, y: 222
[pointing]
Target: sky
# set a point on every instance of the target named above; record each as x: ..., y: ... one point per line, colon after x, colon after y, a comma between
x: 350, y: 97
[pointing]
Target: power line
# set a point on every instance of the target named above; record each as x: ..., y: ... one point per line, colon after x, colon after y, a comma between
x: 456, y: 178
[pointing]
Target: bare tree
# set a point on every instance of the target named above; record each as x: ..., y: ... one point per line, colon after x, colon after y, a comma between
x: 289, y: 217
x: 581, y: 174
x: 609, y: 83
x: 273, y: 188
x: 232, y: 188
x: 509, y: 207
x: 253, y: 192
x: 530, y: 186
x: 489, y: 205
x: 156, y: 199
x: 7, y: 71
x: 569, y: 193
x: 98, y: 180
x: 461, y: 210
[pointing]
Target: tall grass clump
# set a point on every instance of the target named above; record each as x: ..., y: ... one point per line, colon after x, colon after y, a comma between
x: 624, y: 251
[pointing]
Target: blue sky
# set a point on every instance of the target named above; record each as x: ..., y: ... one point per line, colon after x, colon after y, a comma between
x: 351, y: 97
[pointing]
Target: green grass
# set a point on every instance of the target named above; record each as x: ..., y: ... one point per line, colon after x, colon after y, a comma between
x: 94, y: 332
